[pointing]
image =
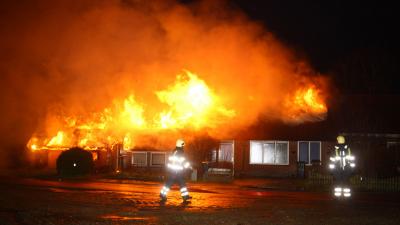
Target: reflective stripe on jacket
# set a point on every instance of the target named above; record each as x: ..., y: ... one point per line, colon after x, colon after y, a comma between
x: 177, y: 162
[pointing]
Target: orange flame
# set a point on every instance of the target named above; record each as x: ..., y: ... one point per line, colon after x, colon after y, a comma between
x: 58, y: 140
x: 187, y: 104
x: 190, y: 104
x: 306, y: 104
x: 125, y: 73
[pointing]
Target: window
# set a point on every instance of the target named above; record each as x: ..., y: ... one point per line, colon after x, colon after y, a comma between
x: 269, y: 152
x: 213, y: 155
x: 225, y: 153
x: 392, y: 144
x: 158, y: 159
x: 309, y: 151
x: 139, y: 159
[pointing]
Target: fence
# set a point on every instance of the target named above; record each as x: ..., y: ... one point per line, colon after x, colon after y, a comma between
x: 317, y: 180
x: 391, y: 184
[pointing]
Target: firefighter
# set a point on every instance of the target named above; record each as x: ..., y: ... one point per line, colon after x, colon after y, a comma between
x: 342, y: 164
x: 177, y: 164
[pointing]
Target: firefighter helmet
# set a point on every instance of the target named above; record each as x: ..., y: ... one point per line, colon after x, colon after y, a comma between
x: 340, y: 139
x: 180, y: 143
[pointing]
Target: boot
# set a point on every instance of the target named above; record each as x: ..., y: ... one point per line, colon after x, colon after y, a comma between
x: 163, y: 198
x: 186, y: 198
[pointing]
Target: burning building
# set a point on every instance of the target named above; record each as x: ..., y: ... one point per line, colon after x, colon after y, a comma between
x: 192, y: 109
x: 136, y: 74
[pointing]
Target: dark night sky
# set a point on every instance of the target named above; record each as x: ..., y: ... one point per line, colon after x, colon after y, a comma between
x: 353, y: 42
x: 333, y: 33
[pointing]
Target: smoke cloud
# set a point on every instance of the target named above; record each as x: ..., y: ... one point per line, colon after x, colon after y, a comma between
x: 77, y: 57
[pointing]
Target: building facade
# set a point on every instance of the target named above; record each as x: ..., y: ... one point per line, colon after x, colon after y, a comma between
x: 274, y: 158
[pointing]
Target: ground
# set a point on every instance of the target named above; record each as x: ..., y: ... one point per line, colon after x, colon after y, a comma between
x: 36, y: 201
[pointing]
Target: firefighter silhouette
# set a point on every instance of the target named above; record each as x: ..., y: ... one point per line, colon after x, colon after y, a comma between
x: 176, y: 166
x: 342, y: 165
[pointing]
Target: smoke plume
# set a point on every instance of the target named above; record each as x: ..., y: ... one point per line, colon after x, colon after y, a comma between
x: 78, y: 57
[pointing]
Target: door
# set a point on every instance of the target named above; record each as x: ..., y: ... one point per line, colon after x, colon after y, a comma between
x: 226, y: 155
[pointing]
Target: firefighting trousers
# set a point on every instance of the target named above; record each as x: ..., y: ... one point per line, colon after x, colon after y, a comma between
x: 172, y: 178
x: 342, y: 177
x: 342, y: 185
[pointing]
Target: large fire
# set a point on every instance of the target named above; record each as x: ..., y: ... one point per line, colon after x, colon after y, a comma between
x: 98, y: 73
x: 189, y: 103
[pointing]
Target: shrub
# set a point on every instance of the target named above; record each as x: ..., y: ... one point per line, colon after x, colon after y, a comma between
x: 74, y: 161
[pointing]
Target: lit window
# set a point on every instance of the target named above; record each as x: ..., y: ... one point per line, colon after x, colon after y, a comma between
x: 158, y: 159
x: 225, y: 153
x: 269, y: 152
x: 309, y: 151
x: 213, y: 155
x: 139, y: 159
